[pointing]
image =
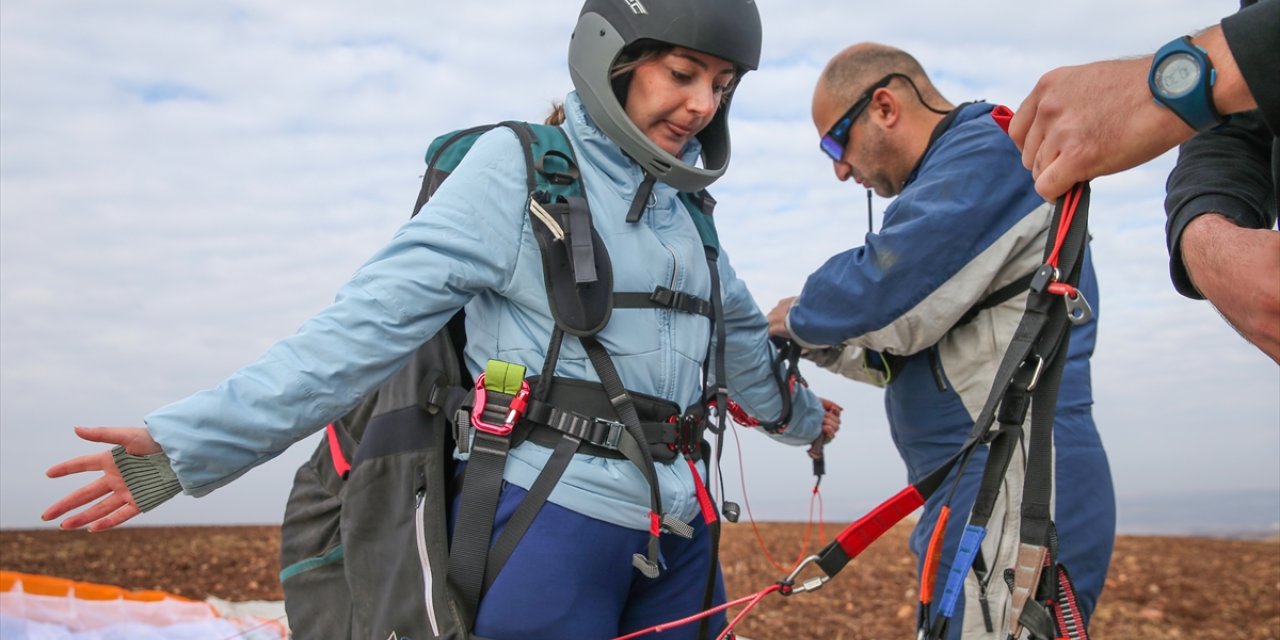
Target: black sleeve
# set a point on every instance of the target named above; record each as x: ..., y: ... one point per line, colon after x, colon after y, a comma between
x: 1224, y: 170
x: 1254, y: 37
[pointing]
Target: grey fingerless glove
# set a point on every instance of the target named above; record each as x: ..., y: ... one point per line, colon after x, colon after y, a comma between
x: 150, y: 478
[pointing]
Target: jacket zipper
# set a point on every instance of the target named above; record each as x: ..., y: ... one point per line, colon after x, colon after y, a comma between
x: 424, y: 560
x: 935, y: 365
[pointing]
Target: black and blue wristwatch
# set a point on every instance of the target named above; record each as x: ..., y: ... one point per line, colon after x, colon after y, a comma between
x: 1181, y: 79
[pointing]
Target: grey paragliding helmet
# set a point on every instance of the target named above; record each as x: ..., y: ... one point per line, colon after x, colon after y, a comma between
x: 727, y: 29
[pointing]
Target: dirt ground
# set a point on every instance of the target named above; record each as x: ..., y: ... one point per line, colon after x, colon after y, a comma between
x: 1159, y: 587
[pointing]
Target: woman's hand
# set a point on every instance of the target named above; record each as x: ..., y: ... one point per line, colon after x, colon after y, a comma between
x: 115, y: 503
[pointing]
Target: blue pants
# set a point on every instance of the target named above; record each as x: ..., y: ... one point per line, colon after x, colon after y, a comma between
x: 571, y: 577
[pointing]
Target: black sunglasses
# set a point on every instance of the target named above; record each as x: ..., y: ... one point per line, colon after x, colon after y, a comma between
x: 837, y: 137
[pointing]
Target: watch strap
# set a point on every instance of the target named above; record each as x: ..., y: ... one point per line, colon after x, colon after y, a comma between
x: 1195, y: 107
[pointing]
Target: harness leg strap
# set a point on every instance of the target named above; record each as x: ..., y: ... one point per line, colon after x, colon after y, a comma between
x: 479, y: 501
x: 524, y: 515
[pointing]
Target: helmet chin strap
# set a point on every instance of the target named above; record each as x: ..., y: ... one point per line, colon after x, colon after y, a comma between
x: 642, y: 198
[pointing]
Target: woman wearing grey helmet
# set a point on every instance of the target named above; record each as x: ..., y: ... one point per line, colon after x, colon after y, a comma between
x: 653, y: 80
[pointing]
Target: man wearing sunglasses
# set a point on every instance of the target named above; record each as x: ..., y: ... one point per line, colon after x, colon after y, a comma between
x: 928, y: 305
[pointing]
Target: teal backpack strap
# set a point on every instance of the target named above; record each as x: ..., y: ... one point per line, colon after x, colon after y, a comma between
x: 700, y: 206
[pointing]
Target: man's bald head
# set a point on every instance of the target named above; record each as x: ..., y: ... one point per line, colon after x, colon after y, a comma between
x: 852, y: 71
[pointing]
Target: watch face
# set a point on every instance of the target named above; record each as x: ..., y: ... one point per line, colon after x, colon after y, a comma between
x: 1177, y: 75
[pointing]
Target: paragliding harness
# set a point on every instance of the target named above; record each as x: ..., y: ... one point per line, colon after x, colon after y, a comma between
x: 1043, y: 598
x: 365, y: 541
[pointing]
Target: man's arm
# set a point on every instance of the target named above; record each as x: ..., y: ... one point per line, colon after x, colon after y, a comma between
x: 1227, y: 171
x: 1238, y: 270
x: 1097, y: 119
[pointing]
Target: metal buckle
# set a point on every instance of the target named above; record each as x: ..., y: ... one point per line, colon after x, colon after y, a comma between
x: 614, y: 436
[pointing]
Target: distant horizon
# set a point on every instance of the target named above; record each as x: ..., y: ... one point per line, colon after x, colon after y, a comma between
x: 1236, y: 515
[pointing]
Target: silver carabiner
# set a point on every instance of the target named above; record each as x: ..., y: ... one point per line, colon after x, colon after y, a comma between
x: 812, y: 584
x: 1035, y: 375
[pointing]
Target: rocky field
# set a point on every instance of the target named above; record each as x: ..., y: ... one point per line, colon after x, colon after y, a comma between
x: 1159, y: 587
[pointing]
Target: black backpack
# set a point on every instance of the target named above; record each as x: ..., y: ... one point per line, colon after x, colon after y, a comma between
x: 364, y: 543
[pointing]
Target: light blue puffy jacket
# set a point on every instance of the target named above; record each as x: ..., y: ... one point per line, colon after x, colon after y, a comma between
x: 472, y: 245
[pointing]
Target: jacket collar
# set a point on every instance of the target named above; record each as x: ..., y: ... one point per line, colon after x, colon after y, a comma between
x: 962, y: 113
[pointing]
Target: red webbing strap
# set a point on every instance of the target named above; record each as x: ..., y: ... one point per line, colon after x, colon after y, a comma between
x: 867, y: 529
x: 340, y: 464
x: 704, y: 498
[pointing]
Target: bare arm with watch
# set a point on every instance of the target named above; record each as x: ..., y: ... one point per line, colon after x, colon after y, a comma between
x: 1100, y: 118
x: 1105, y: 117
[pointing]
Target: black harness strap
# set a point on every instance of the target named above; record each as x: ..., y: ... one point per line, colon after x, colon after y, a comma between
x: 479, y: 501
x: 1038, y: 581
x: 664, y: 298
x: 643, y: 459
x: 997, y: 297
x: 524, y: 514
x: 483, y: 484
x: 641, y: 199
x: 722, y: 402
x: 893, y: 363
x: 1032, y: 386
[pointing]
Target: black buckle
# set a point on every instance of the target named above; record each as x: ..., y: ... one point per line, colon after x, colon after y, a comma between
x: 611, y: 435
x: 680, y: 301
x: 666, y: 297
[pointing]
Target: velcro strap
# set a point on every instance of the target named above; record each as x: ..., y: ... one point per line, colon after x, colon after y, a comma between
x: 581, y: 251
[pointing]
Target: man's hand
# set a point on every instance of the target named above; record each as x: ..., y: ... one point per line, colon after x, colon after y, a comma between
x: 1238, y: 270
x: 1092, y: 120
x: 778, y: 318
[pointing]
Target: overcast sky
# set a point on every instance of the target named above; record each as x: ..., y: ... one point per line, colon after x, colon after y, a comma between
x: 182, y: 183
